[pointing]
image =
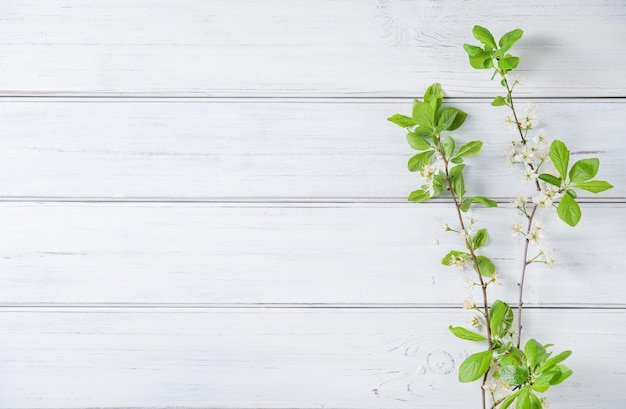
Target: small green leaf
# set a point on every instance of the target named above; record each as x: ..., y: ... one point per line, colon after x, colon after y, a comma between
x: 466, y: 204
x: 569, y: 210
x: 564, y: 373
x: 453, y: 255
x: 584, y: 170
x: 510, y: 38
x: 475, y: 366
x: 551, y: 363
x: 470, y: 148
x: 571, y: 193
x: 459, y: 119
x: 456, y: 160
x: 484, y: 36
x: 515, y: 356
x: 448, y: 146
x: 439, y: 184
x: 417, y: 142
x: 560, y: 157
x: 456, y: 180
x: 417, y: 161
x: 535, y: 353
x: 401, y: 120
x: 594, y: 186
x: 487, y: 268
x: 481, y: 60
x: 498, y: 101
x: 500, y: 318
x: 551, y: 179
x: 514, y: 375
x: 418, y: 196
x: 472, y: 50
x: 543, y: 381
x: 480, y: 239
x: 434, y: 96
x: 508, y: 63
x: 484, y: 201
x: 424, y: 116
x: 463, y: 333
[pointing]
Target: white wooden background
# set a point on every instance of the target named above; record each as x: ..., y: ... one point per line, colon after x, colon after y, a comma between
x: 203, y: 205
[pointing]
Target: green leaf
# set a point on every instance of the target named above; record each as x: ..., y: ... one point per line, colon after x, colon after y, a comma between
x: 456, y: 160
x: 484, y: 201
x: 448, y: 146
x: 480, y: 239
x: 487, y: 268
x: 571, y: 193
x: 584, y: 170
x: 560, y: 157
x: 498, y: 101
x: 535, y: 353
x: 510, y: 38
x: 523, y: 400
x: 466, y: 204
x: 418, y: 196
x: 481, y: 60
x: 508, y: 63
x: 569, y: 210
x: 543, y: 381
x: 500, y: 318
x: 594, y: 186
x: 439, y: 184
x: 434, y: 96
x: 463, y: 333
x: 514, y: 375
x: 507, y: 402
x: 564, y: 373
x: 452, y: 255
x: 469, y: 149
x: 417, y: 142
x: 475, y: 366
x: 417, y: 161
x: 484, y: 36
x: 472, y: 50
x: 401, y: 120
x: 535, y: 402
x: 450, y: 119
x: 457, y: 181
x: 551, y: 179
x: 551, y: 363
x: 515, y: 356
x: 424, y: 116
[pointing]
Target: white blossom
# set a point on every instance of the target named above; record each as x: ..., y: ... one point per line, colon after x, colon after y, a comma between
x: 519, y: 201
x: 469, y: 304
x: 518, y: 228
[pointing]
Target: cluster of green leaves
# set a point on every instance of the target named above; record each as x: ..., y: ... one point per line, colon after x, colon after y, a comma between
x: 425, y: 125
x: 579, y: 176
x: 492, y: 55
x: 526, y: 371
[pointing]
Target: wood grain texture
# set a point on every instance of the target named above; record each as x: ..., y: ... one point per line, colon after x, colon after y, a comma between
x: 97, y: 254
x: 264, y: 150
x: 315, y: 48
x: 260, y: 358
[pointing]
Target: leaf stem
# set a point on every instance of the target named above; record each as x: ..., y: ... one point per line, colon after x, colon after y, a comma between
x: 520, y: 303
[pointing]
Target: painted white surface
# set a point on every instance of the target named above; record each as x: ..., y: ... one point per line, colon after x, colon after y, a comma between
x: 262, y: 149
x: 279, y: 358
x: 306, y: 48
x: 203, y: 203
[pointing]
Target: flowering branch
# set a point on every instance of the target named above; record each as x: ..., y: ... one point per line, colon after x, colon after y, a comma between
x: 509, y: 373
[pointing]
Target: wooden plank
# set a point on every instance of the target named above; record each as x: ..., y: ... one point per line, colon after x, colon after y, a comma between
x: 98, y: 254
x: 266, y: 149
x: 280, y: 358
x: 317, y: 48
